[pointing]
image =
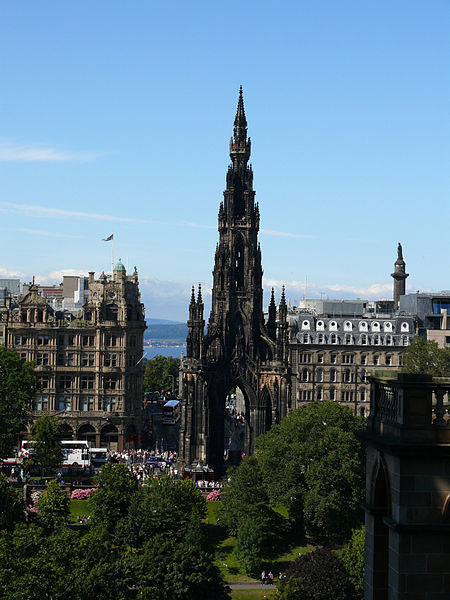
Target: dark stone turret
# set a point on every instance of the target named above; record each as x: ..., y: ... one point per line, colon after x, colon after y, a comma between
x: 399, y: 275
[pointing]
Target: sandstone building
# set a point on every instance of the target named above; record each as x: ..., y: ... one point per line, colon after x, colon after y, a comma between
x: 88, y: 360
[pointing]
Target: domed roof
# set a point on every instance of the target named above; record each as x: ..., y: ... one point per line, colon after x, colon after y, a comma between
x: 119, y: 266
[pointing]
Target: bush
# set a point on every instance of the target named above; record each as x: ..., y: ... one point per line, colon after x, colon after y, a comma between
x: 318, y: 575
x: 53, y: 506
x: 12, y: 506
x: 352, y: 557
x: 214, y: 496
x: 82, y: 494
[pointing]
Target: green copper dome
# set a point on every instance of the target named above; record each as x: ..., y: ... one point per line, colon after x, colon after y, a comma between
x: 119, y: 266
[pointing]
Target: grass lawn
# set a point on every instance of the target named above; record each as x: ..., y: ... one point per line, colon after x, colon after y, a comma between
x: 78, y: 508
x: 254, y: 594
x: 223, y: 545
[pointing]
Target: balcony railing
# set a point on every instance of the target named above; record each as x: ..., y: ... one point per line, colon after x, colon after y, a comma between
x: 406, y: 406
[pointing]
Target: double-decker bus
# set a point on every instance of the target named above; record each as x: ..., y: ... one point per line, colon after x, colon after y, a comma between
x: 171, y: 412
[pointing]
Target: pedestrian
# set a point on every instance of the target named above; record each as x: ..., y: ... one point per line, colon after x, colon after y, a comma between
x: 270, y: 577
x: 263, y: 578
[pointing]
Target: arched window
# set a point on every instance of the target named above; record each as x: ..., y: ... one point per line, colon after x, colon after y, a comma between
x: 405, y: 340
x: 376, y: 340
x: 319, y: 374
x: 363, y: 375
x: 348, y: 326
x: 389, y: 340
x: 332, y: 394
x: 333, y: 326
x: 306, y: 325
x: 375, y: 326
x: 320, y: 326
x: 306, y: 338
x: 388, y: 326
x: 304, y: 375
x: 405, y: 327
x: 319, y: 394
x: 364, y: 339
x: 332, y: 375
x: 348, y: 339
x: 347, y: 376
x: 333, y: 338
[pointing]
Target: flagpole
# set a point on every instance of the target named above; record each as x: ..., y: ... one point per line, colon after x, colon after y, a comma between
x: 112, y: 256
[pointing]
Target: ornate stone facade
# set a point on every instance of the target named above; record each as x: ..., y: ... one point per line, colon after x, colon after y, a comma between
x: 239, y: 348
x: 89, y: 362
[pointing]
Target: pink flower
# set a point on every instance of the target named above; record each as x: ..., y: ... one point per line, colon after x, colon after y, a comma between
x: 214, y: 496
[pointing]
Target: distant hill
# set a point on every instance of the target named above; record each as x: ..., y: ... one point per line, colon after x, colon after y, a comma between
x: 160, y: 331
x: 162, y: 322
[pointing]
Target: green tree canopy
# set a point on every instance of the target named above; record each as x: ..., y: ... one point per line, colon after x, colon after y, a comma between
x: 159, y: 372
x: 352, y: 557
x: 53, y: 506
x: 313, y: 463
x: 425, y: 357
x: 12, y: 505
x: 47, y: 453
x: 18, y: 385
x: 318, y: 575
x: 163, y: 505
x: 116, y: 487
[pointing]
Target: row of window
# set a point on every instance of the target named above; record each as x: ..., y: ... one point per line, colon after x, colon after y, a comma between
x: 73, y: 340
x: 86, y: 403
x: 348, y: 326
x: 72, y: 359
x: 362, y: 340
x: 348, y: 359
x: 345, y: 395
x: 347, y: 375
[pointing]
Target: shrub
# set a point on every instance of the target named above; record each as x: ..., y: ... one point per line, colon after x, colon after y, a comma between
x: 82, y: 494
x: 214, y: 496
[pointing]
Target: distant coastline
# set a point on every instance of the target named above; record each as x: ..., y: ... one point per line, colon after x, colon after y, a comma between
x: 175, y: 351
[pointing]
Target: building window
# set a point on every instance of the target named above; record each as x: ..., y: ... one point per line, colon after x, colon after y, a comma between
x: 389, y: 340
x: 376, y: 360
x: 388, y: 327
x: 348, y: 359
x: 348, y: 326
x: 305, y: 357
x: 388, y: 360
x: 63, y: 403
x: 363, y: 359
x: 405, y: 340
x: 362, y: 326
x: 42, y: 359
x: 348, y: 339
x: 87, y: 360
x: 332, y: 375
x: 364, y: 340
x: 110, y: 360
x: 347, y: 396
x: 347, y: 376
x: 320, y: 338
x: 64, y: 382
x: 305, y: 338
x: 333, y: 326
x: 363, y: 375
x: 305, y: 325
x: 70, y: 359
x: 23, y: 356
x: 319, y: 374
x: 110, y: 382
x: 304, y: 376
x: 71, y: 340
x: 333, y: 359
x: 320, y: 325
x: 41, y: 403
x: 320, y: 358
x: 60, y: 359
x: 86, y: 403
x: 375, y: 326
x: 332, y: 394
x: 60, y: 340
x: 111, y: 340
x: 306, y: 395
x: 405, y: 327
x: 87, y: 382
x: 45, y: 382
x: 333, y: 338
x: 43, y: 340
x: 376, y: 340
x: 362, y: 394
x: 400, y: 361
x: 109, y: 404
x: 17, y: 340
x: 319, y: 394
x: 88, y: 340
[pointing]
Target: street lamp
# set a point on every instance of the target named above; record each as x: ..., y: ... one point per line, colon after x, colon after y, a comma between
x: 173, y: 382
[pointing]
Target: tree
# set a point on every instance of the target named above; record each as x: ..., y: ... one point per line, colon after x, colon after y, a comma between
x: 165, y: 505
x: 47, y: 453
x: 352, y: 557
x: 313, y: 463
x: 18, y: 385
x: 318, y: 575
x: 159, y: 372
x: 12, y: 506
x: 259, y: 536
x: 425, y: 357
x: 53, y: 506
x: 116, y: 487
x: 243, y: 494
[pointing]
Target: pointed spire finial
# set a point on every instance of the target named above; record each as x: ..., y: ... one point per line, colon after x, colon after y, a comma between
x: 199, y: 297
x: 193, y: 295
x: 283, y: 297
x: 240, y: 122
x: 272, y: 298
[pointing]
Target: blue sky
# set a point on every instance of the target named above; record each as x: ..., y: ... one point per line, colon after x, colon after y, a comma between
x: 116, y: 117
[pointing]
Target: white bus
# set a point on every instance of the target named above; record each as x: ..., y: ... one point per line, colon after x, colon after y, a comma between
x: 75, y: 452
x: 171, y: 412
x: 98, y: 456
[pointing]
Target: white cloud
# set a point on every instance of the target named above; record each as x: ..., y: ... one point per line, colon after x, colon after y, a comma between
x: 43, y: 211
x: 56, y: 277
x: 13, y: 152
x: 10, y: 273
x: 48, y: 233
x: 332, y: 290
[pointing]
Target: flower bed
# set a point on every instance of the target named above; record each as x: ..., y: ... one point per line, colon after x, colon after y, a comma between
x: 82, y: 494
x: 214, y: 496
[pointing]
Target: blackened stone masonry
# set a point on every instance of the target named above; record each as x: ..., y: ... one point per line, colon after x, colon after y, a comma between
x: 239, y: 348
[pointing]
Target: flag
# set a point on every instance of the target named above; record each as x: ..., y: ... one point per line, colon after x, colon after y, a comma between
x: 109, y: 238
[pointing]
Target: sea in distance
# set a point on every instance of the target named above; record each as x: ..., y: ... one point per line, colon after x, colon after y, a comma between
x: 175, y: 351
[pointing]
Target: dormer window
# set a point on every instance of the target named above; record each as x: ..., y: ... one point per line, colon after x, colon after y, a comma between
x: 333, y: 326
x: 306, y: 325
x: 320, y: 326
x: 405, y: 327
x: 362, y: 326
x: 388, y: 326
x: 348, y: 326
x: 375, y: 326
